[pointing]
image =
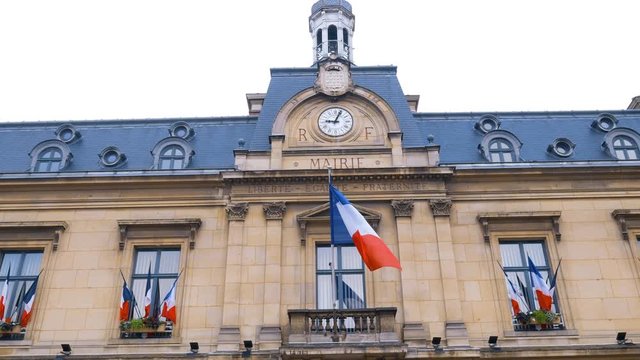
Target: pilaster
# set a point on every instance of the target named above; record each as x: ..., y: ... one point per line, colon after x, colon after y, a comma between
x: 455, y: 329
x: 414, y: 333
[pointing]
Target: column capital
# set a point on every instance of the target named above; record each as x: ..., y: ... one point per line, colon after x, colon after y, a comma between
x: 237, y: 211
x: 402, y: 208
x: 274, y: 210
x: 440, y: 207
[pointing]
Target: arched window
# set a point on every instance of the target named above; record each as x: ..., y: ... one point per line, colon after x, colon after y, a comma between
x: 50, y: 156
x: 319, y: 37
x: 171, y: 157
x: 172, y: 153
x: 501, y: 150
x: 625, y: 148
x: 500, y: 146
x: 49, y: 159
x: 333, y: 39
x: 622, y: 143
x: 345, y: 37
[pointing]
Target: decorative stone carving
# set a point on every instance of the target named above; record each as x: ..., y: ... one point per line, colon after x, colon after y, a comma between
x: 520, y: 221
x: 237, y: 211
x: 440, y: 207
x: 274, y: 210
x: 150, y: 228
x: 334, y: 78
x: 33, y: 230
x: 402, y: 208
x: 627, y: 219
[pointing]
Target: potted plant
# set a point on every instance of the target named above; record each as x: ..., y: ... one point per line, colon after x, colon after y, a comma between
x: 10, y: 327
x: 143, y: 325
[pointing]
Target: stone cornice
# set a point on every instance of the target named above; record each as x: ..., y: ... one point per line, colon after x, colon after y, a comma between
x: 301, y: 176
x: 627, y: 219
x: 28, y: 230
x: 522, y: 221
x: 149, y: 228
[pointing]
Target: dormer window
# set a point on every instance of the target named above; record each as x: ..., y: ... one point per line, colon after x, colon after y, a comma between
x: 67, y: 133
x: 182, y: 130
x: 625, y: 148
x: 112, y: 157
x: 172, y: 154
x: 487, y: 123
x: 605, y: 122
x: 50, y: 156
x: 501, y: 150
x: 622, y: 144
x: 500, y: 146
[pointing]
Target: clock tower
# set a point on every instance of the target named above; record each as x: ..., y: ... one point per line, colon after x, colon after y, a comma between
x: 331, y: 25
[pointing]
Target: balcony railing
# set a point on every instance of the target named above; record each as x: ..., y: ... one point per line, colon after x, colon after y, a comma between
x: 351, y: 325
x: 532, y: 325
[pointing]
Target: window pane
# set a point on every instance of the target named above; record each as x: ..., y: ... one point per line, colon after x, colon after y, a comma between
x: 521, y: 290
x: 535, y: 251
x: 138, y: 287
x: 10, y: 260
x: 143, y: 260
x: 511, y: 255
x: 31, y: 266
x: 351, y: 258
x: 323, y: 258
x: 178, y: 164
x: 324, y: 292
x: 632, y: 155
x: 352, y: 291
x: 169, y: 261
x: 507, y: 157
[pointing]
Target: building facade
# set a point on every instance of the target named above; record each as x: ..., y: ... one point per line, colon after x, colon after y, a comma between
x: 231, y: 216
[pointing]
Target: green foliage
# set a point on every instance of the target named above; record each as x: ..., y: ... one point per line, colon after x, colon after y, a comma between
x: 543, y: 316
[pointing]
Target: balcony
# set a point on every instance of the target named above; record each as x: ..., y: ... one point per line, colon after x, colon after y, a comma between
x: 351, y: 331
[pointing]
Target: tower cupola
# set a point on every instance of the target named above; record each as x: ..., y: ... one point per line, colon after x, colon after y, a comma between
x: 331, y: 25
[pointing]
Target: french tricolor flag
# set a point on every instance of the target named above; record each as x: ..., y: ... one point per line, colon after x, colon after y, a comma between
x: 27, y: 302
x: 513, y: 295
x: 169, y: 304
x: 125, y: 302
x: 147, y: 295
x: 349, y: 227
x: 3, y: 295
x: 545, y: 298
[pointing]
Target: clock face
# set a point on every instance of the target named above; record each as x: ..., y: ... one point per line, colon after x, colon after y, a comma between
x: 335, y: 121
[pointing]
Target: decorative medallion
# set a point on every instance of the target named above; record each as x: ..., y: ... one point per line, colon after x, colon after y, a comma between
x: 274, y: 210
x: 237, y: 211
x: 402, y: 208
x: 440, y: 207
x: 334, y: 78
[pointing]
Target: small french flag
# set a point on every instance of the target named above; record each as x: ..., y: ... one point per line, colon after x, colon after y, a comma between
x: 545, y: 299
x: 169, y: 304
x: 348, y: 226
x: 29, y: 296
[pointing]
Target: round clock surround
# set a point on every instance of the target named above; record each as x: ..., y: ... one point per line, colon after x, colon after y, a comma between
x: 335, y: 121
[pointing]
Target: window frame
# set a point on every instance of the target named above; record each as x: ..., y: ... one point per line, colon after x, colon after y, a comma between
x: 37, y: 152
x: 339, y: 272
x: 160, y: 147
x: 506, y: 136
x: 610, y: 137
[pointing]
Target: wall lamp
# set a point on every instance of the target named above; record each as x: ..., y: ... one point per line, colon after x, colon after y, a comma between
x: 66, y: 349
x: 436, y: 343
x: 194, y: 347
x: 493, y: 342
x: 621, y: 338
x: 248, y: 345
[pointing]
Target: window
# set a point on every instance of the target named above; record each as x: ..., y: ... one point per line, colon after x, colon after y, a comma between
x: 159, y: 268
x: 561, y: 147
x: 112, y: 157
x: 171, y: 157
x: 499, y: 146
x: 622, y: 143
x: 349, y: 279
x: 501, y: 150
x: 514, y: 256
x: 173, y: 153
x: 50, y: 159
x: 22, y: 268
x: 625, y: 148
x: 50, y: 156
x: 333, y: 39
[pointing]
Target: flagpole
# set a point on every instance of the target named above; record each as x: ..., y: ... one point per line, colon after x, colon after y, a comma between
x: 334, y: 295
x: 134, y: 306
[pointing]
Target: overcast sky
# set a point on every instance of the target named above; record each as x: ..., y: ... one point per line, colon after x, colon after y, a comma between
x: 115, y: 59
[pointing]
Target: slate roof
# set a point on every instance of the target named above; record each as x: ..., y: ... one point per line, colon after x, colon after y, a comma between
x: 216, y: 138
x: 458, y: 139
x: 322, y: 4
x: 214, y: 141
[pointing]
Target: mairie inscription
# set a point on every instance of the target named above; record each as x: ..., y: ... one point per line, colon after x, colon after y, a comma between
x: 316, y: 188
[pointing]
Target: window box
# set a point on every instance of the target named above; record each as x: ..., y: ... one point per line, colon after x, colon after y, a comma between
x: 538, y: 320
x: 145, y: 328
x: 11, y: 331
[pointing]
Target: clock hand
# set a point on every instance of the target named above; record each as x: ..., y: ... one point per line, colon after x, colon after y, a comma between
x: 337, y: 116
